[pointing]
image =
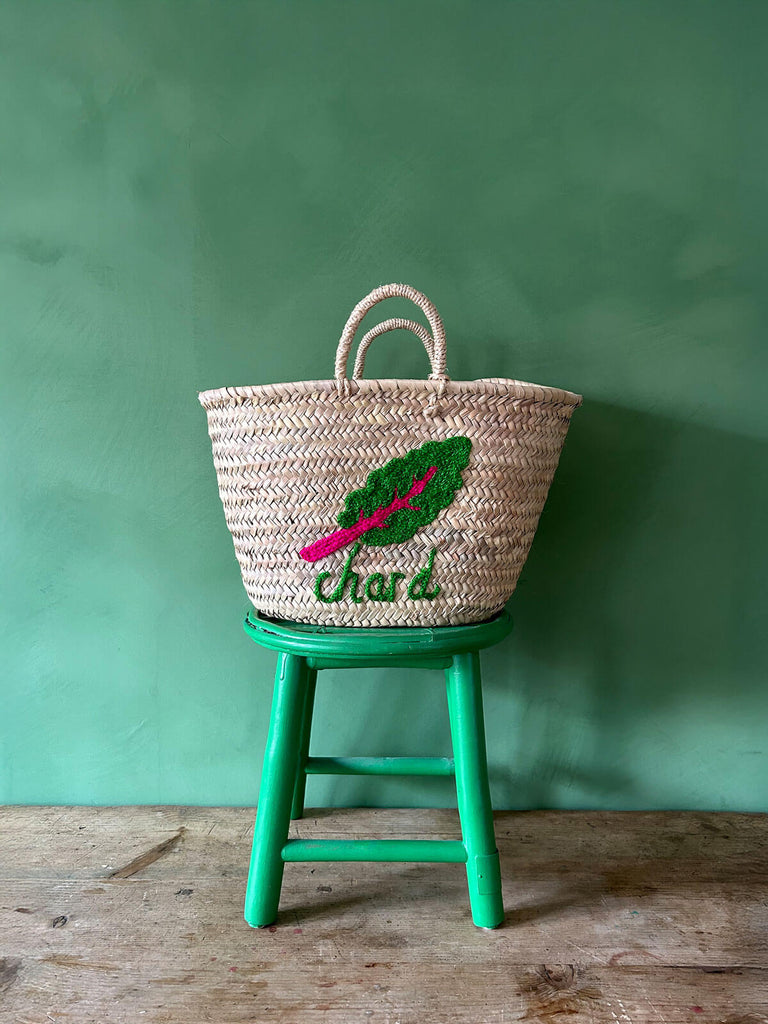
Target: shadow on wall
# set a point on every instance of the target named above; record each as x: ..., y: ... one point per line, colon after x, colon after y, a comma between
x: 644, y: 592
x: 642, y: 605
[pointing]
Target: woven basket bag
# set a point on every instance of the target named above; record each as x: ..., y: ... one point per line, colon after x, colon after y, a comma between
x: 385, y: 502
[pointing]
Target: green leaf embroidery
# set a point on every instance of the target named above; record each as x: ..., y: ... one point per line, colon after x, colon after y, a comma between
x: 399, y: 497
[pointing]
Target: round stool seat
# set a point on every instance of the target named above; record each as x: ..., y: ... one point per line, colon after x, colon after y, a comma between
x: 365, y: 643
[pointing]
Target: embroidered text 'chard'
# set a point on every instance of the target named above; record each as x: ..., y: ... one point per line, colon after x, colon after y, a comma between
x: 377, y: 587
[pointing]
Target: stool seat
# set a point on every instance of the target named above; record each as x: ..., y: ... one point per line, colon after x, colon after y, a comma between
x: 393, y: 645
x: 303, y: 650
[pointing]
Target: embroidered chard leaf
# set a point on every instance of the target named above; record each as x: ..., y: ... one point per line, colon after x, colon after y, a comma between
x: 398, y: 498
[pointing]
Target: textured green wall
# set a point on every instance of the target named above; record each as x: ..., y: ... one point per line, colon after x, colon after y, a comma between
x: 195, y: 194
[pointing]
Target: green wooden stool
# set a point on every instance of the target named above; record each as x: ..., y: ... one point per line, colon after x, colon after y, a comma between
x: 303, y: 650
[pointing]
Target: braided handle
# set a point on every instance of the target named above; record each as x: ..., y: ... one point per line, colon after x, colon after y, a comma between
x: 387, y: 291
x: 395, y: 324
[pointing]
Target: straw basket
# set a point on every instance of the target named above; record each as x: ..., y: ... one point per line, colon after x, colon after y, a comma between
x: 385, y: 502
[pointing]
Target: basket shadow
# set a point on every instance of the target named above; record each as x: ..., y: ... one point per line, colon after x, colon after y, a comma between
x: 639, y: 605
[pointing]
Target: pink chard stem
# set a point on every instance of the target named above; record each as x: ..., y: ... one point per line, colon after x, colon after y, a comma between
x: 341, y: 538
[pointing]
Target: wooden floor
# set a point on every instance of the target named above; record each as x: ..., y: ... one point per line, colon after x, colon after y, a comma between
x: 134, y: 915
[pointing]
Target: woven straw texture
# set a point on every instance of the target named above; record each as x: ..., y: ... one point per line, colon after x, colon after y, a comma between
x: 287, y: 455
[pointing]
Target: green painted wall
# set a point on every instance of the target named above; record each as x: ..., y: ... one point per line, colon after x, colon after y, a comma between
x: 195, y: 194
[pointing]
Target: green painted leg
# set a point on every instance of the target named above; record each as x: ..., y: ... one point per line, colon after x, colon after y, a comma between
x: 297, y: 810
x: 278, y: 779
x: 465, y: 707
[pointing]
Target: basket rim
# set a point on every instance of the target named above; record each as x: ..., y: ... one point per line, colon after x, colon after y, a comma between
x: 516, y: 389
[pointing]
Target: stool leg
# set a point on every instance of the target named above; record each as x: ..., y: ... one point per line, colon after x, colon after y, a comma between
x: 278, y: 779
x: 465, y: 708
x: 297, y: 809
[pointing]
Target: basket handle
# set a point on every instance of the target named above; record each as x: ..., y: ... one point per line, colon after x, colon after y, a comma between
x: 387, y: 291
x: 395, y: 324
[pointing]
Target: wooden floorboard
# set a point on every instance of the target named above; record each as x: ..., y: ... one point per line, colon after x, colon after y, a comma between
x: 131, y: 915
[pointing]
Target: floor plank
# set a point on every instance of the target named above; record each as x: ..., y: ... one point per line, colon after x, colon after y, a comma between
x: 135, y: 914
